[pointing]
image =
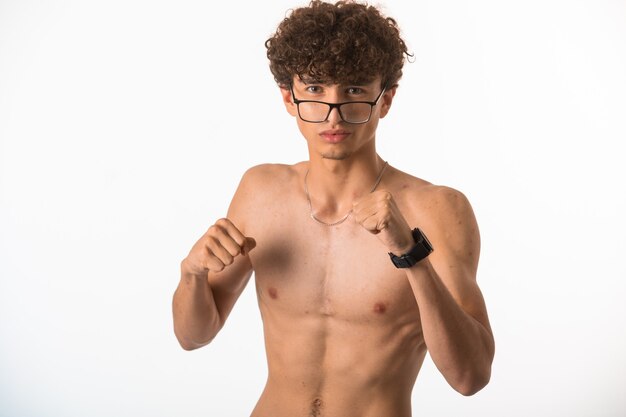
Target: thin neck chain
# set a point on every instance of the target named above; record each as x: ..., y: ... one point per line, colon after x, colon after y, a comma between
x: 308, y: 199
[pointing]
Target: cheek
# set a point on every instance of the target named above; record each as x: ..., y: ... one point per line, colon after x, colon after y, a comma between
x: 372, y: 126
x: 306, y: 129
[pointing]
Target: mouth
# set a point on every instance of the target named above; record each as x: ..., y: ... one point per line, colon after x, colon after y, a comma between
x: 334, y: 136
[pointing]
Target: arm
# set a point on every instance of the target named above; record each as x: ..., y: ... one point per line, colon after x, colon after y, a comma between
x: 453, y: 313
x: 213, y: 277
x: 452, y: 310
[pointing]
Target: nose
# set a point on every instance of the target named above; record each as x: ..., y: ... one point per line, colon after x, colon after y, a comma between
x: 334, y: 117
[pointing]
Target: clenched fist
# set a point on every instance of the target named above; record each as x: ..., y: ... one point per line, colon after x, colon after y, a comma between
x: 217, y: 249
x: 378, y: 214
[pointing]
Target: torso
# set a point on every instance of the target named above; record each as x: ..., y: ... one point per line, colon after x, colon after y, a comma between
x: 342, y: 327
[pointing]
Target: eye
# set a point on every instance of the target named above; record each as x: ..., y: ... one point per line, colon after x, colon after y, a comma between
x: 313, y: 89
x: 354, y: 90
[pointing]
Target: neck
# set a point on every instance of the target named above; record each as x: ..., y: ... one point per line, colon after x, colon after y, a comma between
x: 334, y: 185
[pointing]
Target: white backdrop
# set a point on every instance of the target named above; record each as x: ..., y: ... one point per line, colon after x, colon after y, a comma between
x: 125, y: 127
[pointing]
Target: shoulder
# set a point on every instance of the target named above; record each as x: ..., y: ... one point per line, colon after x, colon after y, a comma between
x: 453, y: 226
x: 446, y: 201
x: 261, y: 174
x: 452, y: 218
x: 443, y: 213
x: 439, y: 200
x: 259, y: 187
x: 262, y: 182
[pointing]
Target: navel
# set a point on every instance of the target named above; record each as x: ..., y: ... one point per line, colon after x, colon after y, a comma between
x: 380, y: 308
x: 316, y: 406
x: 272, y: 292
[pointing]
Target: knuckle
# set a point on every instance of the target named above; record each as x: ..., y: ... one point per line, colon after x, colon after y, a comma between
x: 223, y: 222
x: 214, y: 264
x: 213, y: 230
x: 189, y: 265
x: 211, y: 240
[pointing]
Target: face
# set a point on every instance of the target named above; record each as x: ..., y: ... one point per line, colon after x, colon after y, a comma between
x: 335, y: 138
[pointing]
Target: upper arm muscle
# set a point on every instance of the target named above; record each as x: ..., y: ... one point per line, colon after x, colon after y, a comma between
x: 456, y: 239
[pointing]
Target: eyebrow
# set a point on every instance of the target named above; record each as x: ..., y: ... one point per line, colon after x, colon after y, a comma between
x: 311, y: 81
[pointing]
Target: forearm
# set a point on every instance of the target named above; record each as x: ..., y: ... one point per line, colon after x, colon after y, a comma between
x: 196, y: 317
x: 460, y: 346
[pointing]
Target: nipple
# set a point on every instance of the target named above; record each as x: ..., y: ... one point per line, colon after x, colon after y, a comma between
x: 272, y: 292
x: 380, y: 308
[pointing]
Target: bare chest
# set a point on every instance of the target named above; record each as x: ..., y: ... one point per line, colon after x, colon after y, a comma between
x: 304, y: 268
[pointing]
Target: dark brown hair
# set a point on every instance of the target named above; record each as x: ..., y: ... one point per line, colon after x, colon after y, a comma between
x: 341, y: 43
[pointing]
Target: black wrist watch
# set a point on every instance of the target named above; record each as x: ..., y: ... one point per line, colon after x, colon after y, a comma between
x: 422, y: 249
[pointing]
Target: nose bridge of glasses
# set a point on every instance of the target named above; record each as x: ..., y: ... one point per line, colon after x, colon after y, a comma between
x: 334, y: 114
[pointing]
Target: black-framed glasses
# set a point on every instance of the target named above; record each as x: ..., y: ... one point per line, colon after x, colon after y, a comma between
x: 354, y: 112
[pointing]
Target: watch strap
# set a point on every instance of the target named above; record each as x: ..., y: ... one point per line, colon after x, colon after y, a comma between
x: 421, y: 250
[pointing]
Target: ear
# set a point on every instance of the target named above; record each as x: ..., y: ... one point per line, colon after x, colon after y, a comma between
x: 386, y: 100
x: 288, y: 101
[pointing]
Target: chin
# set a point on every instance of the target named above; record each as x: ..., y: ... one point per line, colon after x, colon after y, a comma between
x: 336, y: 156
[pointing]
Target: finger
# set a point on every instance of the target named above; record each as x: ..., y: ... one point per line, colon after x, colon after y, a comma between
x: 376, y: 208
x: 232, y: 231
x: 363, y: 214
x: 363, y: 203
x: 375, y: 223
x: 212, y: 263
x: 373, y: 202
x: 248, y: 246
x: 216, y: 249
x: 228, y: 242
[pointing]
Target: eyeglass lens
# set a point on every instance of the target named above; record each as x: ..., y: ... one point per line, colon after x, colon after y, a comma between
x: 350, y: 112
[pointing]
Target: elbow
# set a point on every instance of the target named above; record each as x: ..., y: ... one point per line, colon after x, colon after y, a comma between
x: 187, y: 345
x: 477, y: 374
x: 472, y: 388
x: 473, y: 382
x: 192, y: 339
x: 190, y: 345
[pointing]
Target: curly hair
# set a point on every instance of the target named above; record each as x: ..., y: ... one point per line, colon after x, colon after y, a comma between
x: 342, y: 43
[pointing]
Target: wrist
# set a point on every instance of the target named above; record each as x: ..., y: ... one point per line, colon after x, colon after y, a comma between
x: 190, y: 273
x: 421, y: 249
x: 403, y: 246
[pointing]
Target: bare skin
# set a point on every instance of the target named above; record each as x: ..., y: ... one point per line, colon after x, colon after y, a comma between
x: 345, y: 331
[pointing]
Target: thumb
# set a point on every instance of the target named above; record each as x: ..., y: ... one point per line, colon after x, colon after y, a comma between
x: 248, y: 245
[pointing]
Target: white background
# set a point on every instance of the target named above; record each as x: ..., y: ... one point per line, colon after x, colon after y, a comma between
x: 125, y: 127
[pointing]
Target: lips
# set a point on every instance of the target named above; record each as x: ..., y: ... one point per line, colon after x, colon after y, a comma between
x: 334, y: 136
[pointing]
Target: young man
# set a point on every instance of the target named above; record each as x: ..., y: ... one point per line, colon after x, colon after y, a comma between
x: 360, y: 268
